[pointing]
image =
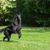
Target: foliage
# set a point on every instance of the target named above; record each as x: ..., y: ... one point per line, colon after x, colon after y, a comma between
x: 33, y: 12
x: 7, y: 8
x: 36, y: 12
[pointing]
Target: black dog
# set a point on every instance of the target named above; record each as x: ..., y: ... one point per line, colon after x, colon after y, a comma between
x: 15, y: 26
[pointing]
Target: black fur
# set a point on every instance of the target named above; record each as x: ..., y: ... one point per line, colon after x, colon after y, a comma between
x: 14, y: 27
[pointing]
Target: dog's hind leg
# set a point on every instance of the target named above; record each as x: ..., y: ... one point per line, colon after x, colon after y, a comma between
x: 9, y: 36
x: 4, y: 38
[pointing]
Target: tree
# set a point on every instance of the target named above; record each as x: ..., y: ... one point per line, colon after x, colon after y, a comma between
x: 7, y: 8
x: 35, y: 12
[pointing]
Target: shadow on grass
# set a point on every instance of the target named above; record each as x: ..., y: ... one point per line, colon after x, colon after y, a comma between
x: 1, y: 40
x: 8, y: 41
x: 12, y: 41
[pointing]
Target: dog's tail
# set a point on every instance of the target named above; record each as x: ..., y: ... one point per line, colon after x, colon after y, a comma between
x: 1, y: 30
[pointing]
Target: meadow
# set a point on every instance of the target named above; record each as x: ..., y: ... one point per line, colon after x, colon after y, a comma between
x: 33, y: 38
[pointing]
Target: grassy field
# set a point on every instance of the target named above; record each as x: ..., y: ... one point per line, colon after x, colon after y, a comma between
x: 32, y: 39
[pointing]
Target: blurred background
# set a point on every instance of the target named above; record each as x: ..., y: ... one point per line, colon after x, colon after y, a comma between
x: 34, y: 13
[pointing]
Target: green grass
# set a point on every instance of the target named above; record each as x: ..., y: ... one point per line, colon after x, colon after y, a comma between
x: 32, y: 39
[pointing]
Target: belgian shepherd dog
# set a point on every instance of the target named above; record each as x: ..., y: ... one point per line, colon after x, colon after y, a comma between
x: 14, y: 27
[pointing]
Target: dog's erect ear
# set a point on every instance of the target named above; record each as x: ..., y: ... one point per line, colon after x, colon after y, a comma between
x: 18, y: 17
